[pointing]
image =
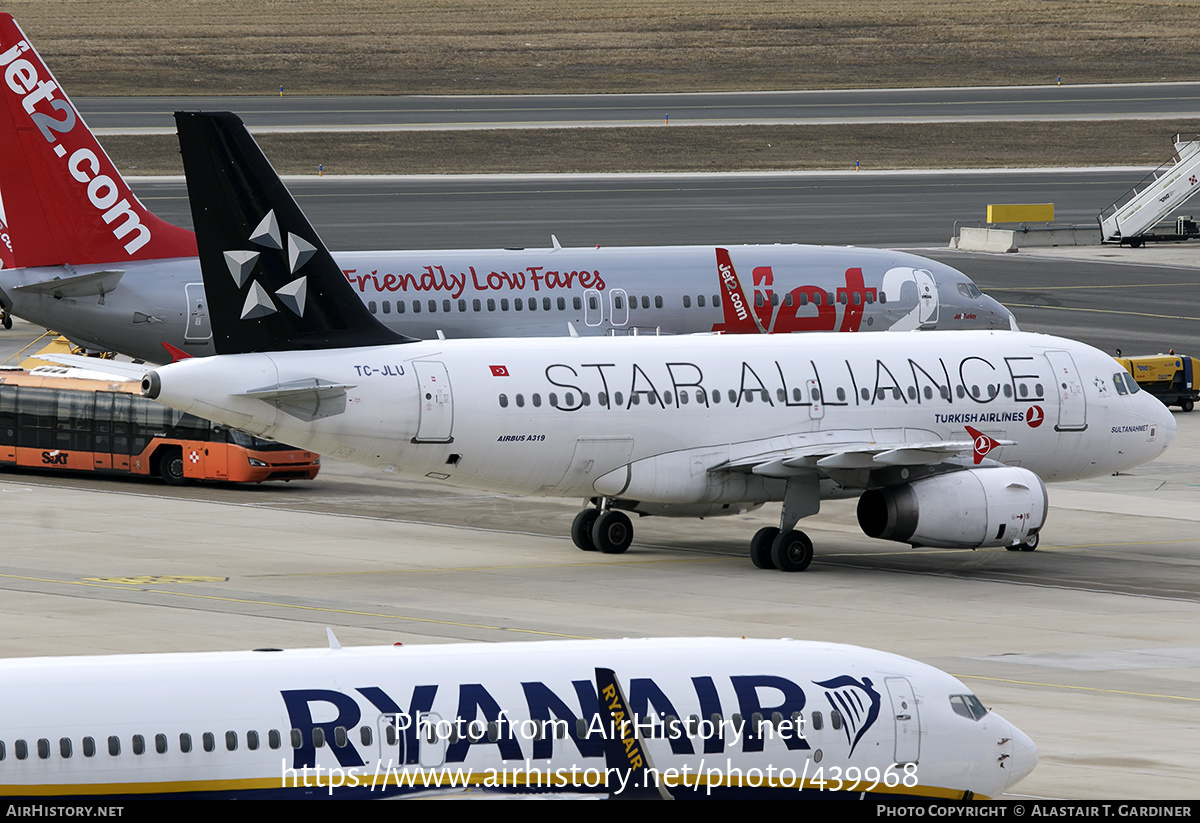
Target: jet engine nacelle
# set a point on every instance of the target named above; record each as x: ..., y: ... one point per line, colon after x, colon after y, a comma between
x: 964, y: 509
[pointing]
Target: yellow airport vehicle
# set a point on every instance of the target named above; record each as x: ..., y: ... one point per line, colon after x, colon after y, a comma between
x: 1169, y: 377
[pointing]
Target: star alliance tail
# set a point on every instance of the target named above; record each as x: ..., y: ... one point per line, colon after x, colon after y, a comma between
x: 271, y: 283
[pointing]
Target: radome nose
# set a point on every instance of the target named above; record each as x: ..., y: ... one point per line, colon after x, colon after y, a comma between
x: 1004, y: 317
x: 1024, y: 757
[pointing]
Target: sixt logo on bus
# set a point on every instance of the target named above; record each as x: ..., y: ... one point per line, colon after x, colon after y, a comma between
x: 54, y: 458
x: 22, y: 78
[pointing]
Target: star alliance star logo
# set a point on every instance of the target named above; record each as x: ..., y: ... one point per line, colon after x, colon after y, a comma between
x: 241, y: 267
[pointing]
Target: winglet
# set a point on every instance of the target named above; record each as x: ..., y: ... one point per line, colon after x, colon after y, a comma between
x: 176, y: 353
x: 333, y: 641
x: 625, y: 756
x: 67, y: 203
x: 271, y: 283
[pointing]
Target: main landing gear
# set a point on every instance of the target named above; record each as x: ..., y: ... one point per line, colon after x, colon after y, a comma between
x: 1028, y: 546
x: 604, y: 529
x: 787, y: 548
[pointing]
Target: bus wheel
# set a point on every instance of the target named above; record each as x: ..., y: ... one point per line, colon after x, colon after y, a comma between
x: 170, y: 468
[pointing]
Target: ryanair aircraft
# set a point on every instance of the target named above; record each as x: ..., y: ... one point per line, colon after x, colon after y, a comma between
x: 946, y: 436
x: 683, y: 718
x: 84, y: 257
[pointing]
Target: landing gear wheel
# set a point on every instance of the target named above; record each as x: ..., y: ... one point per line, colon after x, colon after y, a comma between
x: 760, y: 547
x: 1028, y: 546
x: 581, y: 529
x: 612, y: 532
x: 1186, y: 405
x: 792, y: 551
x: 7, y: 320
x: 170, y: 468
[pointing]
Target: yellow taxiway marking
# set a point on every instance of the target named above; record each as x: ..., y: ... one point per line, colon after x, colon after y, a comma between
x: 1076, y: 688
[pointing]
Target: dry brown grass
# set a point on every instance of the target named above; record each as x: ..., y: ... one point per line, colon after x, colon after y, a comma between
x: 98, y: 47
x: 698, y: 148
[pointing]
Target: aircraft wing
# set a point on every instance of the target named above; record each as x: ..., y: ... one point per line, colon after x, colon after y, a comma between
x: 855, y: 454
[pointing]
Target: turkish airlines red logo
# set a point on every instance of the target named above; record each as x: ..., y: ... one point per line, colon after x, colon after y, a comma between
x: 499, y: 371
x: 1035, y: 416
x: 983, y: 444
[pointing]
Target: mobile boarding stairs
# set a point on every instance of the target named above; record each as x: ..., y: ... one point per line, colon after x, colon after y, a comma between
x: 1133, y: 218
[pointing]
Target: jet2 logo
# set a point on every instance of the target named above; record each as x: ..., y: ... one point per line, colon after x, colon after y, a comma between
x: 23, y: 77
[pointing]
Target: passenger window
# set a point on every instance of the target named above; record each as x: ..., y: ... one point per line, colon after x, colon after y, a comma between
x: 491, y: 304
x: 114, y: 746
x: 700, y: 301
x: 400, y: 306
x: 387, y: 306
x: 475, y: 305
x: 21, y: 749
x: 504, y: 401
x: 365, y: 736
x: 273, y: 739
x: 231, y: 741
x: 687, y: 301
x: 185, y: 742
x: 297, y: 738
x: 43, y: 748
x: 89, y: 748
x: 209, y: 741
x: 318, y: 737
x: 433, y: 306
x: 816, y: 722
x: 462, y: 305
x: 371, y: 306
x: 446, y: 306
x: 139, y: 745
x: 160, y: 743
x: 546, y: 303
x: 252, y: 740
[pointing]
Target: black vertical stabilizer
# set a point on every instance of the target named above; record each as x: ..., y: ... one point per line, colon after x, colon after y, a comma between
x: 270, y: 281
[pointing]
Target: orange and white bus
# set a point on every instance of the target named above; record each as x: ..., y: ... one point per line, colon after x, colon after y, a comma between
x: 59, y: 418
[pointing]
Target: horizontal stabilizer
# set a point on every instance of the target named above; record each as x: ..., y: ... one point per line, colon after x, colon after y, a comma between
x: 115, y: 368
x: 306, y: 400
x: 80, y: 285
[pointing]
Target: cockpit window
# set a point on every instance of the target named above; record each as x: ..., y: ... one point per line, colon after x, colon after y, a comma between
x: 969, y: 290
x: 967, y: 705
x: 1125, y: 383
